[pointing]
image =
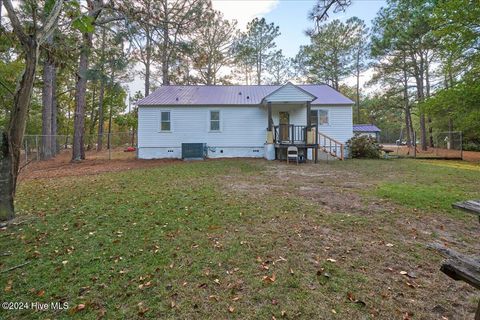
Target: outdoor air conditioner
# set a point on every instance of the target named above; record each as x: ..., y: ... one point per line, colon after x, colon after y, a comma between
x: 194, y: 151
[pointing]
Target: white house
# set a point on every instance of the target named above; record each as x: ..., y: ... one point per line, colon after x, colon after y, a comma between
x: 243, y: 121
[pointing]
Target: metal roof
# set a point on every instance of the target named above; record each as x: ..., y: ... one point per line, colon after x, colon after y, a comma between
x: 234, y: 95
x: 365, y: 128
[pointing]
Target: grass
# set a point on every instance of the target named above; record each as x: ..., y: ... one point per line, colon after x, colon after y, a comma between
x: 216, y: 240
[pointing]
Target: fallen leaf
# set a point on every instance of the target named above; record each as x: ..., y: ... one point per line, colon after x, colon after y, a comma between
x: 331, y: 260
x: 231, y: 309
x: 41, y: 293
x: 142, y: 309
x: 389, y: 244
x: 334, y: 311
x: 351, y: 297
x: 101, y: 313
x: 8, y: 288
x: 268, y: 279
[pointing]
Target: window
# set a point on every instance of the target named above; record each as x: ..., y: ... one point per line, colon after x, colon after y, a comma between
x: 165, y: 124
x: 214, y: 120
x: 319, y: 117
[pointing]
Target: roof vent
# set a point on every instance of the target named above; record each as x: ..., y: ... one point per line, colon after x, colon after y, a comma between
x: 239, y: 93
x: 176, y: 99
x: 248, y: 97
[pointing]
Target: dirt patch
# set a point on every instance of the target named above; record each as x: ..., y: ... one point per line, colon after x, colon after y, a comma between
x: 371, y: 239
x: 405, y: 151
x: 61, y: 166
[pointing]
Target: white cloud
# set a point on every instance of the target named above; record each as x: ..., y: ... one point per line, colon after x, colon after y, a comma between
x: 244, y: 10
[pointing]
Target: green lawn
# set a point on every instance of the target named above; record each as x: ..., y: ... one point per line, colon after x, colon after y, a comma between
x: 245, y: 239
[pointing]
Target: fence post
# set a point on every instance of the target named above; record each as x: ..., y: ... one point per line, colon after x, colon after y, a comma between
x: 415, y: 144
x: 109, y: 146
x: 36, y: 147
x: 26, y: 151
x: 461, y: 146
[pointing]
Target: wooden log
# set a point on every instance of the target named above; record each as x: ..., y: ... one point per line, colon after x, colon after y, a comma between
x: 459, y: 266
x: 472, y: 206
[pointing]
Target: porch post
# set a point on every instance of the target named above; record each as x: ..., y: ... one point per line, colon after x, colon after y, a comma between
x: 308, y: 114
x: 269, y: 109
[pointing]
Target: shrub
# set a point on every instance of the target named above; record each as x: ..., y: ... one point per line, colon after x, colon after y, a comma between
x: 364, y: 147
x: 471, y: 146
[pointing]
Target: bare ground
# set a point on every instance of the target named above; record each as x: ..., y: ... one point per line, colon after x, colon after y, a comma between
x: 370, y: 237
x: 95, y: 163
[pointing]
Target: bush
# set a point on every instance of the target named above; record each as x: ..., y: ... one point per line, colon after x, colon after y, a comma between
x: 471, y: 146
x: 364, y: 147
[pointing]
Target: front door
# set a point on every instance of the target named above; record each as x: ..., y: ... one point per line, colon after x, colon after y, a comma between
x: 284, y: 125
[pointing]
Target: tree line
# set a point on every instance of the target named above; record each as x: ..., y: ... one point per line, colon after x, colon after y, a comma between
x: 63, y: 64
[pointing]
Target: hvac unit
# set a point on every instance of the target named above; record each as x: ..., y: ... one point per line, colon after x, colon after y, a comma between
x: 193, y: 151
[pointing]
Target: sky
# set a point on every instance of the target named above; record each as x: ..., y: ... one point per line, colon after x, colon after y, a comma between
x: 292, y: 18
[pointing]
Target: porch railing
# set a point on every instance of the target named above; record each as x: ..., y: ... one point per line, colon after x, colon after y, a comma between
x: 290, y: 134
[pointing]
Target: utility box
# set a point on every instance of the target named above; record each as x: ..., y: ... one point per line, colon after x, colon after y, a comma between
x: 194, y: 151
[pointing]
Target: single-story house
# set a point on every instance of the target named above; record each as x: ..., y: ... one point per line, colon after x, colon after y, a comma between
x: 369, y: 130
x: 178, y: 121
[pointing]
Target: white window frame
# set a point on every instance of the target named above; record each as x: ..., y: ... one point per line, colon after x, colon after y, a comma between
x: 210, y: 120
x: 318, y: 117
x: 160, y: 121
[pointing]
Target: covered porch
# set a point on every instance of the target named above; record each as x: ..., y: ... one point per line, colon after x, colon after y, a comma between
x: 290, y: 123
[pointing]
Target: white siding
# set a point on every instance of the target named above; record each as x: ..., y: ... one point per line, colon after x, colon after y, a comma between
x: 243, y: 128
x: 242, y: 131
x: 340, y: 126
x: 297, y: 113
x: 289, y: 92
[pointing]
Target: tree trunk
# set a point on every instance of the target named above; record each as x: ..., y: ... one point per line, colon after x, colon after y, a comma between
x: 100, y: 115
x: 165, y: 54
x: 47, y: 102
x: 53, y: 135
x: 259, y: 69
x: 11, y: 142
x: 427, y: 86
x: 358, y: 87
x: 109, y: 140
x: 112, y: 83
x: 148, y: 62
x: 408, y: 124
x: 93, y: 117
x: 421, y: 97
x: 78, y: 152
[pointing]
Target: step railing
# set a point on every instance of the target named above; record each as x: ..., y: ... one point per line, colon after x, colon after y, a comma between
x: 331, y: 146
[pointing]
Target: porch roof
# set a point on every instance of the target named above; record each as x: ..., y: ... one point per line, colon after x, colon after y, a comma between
x: 236, y: 95
x: 289, y: 93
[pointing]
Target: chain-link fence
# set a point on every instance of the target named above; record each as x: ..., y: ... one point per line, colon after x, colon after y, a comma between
x: 440, y: 145
x: 118, y: 145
